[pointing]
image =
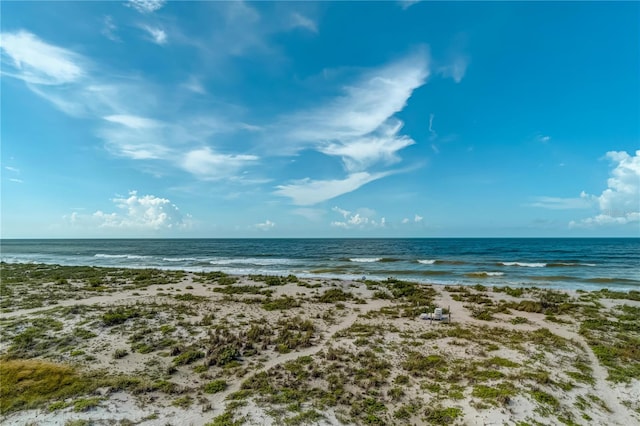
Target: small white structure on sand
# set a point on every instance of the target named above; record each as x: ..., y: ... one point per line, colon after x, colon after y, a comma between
x: 436, y: 315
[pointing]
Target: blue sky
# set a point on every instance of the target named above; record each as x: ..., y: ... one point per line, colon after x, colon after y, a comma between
x: 283, y: 119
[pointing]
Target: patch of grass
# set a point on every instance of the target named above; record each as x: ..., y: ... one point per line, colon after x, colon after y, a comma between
x: 545, y: 398
x: 188, y: 357
x: 86, y: 404
x: 215, y: 386
x: 188, y: 297
x: 497, y: 395
x: 29, y: 384
x: 442, y: 416
x: 118, y: 315
x: 305, y: 418
x: 419, y: 364
x: 281, y: 303
x: 334, y: 295
x: 225, y: 419
x: 183, y: 402
x: 502, y: 362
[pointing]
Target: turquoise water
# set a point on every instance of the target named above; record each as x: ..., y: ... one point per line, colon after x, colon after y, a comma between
x: 556, y: 263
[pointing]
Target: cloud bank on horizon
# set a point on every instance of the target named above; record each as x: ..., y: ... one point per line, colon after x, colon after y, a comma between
x: 279, y: 112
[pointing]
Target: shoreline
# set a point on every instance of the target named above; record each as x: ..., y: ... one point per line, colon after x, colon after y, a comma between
x: 483, y: 277
x: 272, y: 350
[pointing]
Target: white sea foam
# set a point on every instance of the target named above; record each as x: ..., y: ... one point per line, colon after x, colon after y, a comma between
x: 250, y: 261
x: 366, y: 259
x: 120, y: 256
x: 427, y: 261
x: 525, y: 264
x: 485, y: 274
x: 179, y: 259
x: 571, y: 264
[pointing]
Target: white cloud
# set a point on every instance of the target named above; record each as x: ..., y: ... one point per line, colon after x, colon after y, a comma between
x: 360, y: 153
x: 146, y: 6
x: 193, y: 84
x: 12, y: 169
x: 406, y: 4
x: 307, y: 192
x: 620, y: 202
x: 543, y: 139
x: 405, y: 220
x: 109, y: 28
x: 301, y: 21
x: 417, y: 218
x: 135, y: 213
x: 363, y: 218
x: 133, y: 121
x: 358, y: 127
x: 123, y: 105
x: 265, y: 226
x: 16, y: 180
x: 344, y: 213
x: 557, y: 203
x: 365, y: 106
x: 37, y: 62
x: 209, y: 165
x: 456, y: 69
x: 139, y: 138
x: 158, y: 35
x: 432, y: 133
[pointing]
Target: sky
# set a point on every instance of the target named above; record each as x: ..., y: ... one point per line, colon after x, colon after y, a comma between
x: 147, y: 118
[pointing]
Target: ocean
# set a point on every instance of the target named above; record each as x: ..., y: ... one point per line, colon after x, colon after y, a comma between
x: 563, y: 263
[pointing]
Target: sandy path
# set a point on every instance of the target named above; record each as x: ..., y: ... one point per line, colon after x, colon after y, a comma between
x: 619, y: 415
x: 345, y: 322
x: 110, y: 300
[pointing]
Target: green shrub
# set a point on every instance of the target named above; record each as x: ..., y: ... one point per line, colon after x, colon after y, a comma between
x: 118, y: 315
x: 215, y: 386
x: 120, y: 353
x: 188, y: 357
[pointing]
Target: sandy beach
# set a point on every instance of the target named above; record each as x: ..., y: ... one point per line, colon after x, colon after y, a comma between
x: 158, y: 347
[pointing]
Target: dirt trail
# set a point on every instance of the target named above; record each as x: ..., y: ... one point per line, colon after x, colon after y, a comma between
x: 344, y: 323
x: 619, y: 415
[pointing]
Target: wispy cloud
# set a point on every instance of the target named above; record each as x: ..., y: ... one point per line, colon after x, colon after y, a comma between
x: 361, y: 152
x: 543, y: 138
x: 146, y: 6
x: 37, y: 62
x: 365, y: 105
x: 209, y: 165
x: 358, y: 127
x: 619, y: 204
x: 558, y: 203
x: 109, y: 28
x: 124, y: 107
x: 300, y: 21
x: 16, y: 180
x: 456, y: 68
x: 193, y: 84
x: 432, y: 133
x: 157, y: 35
x: 406, y: 4
x: 12, y: 169
x: 307, y: 192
